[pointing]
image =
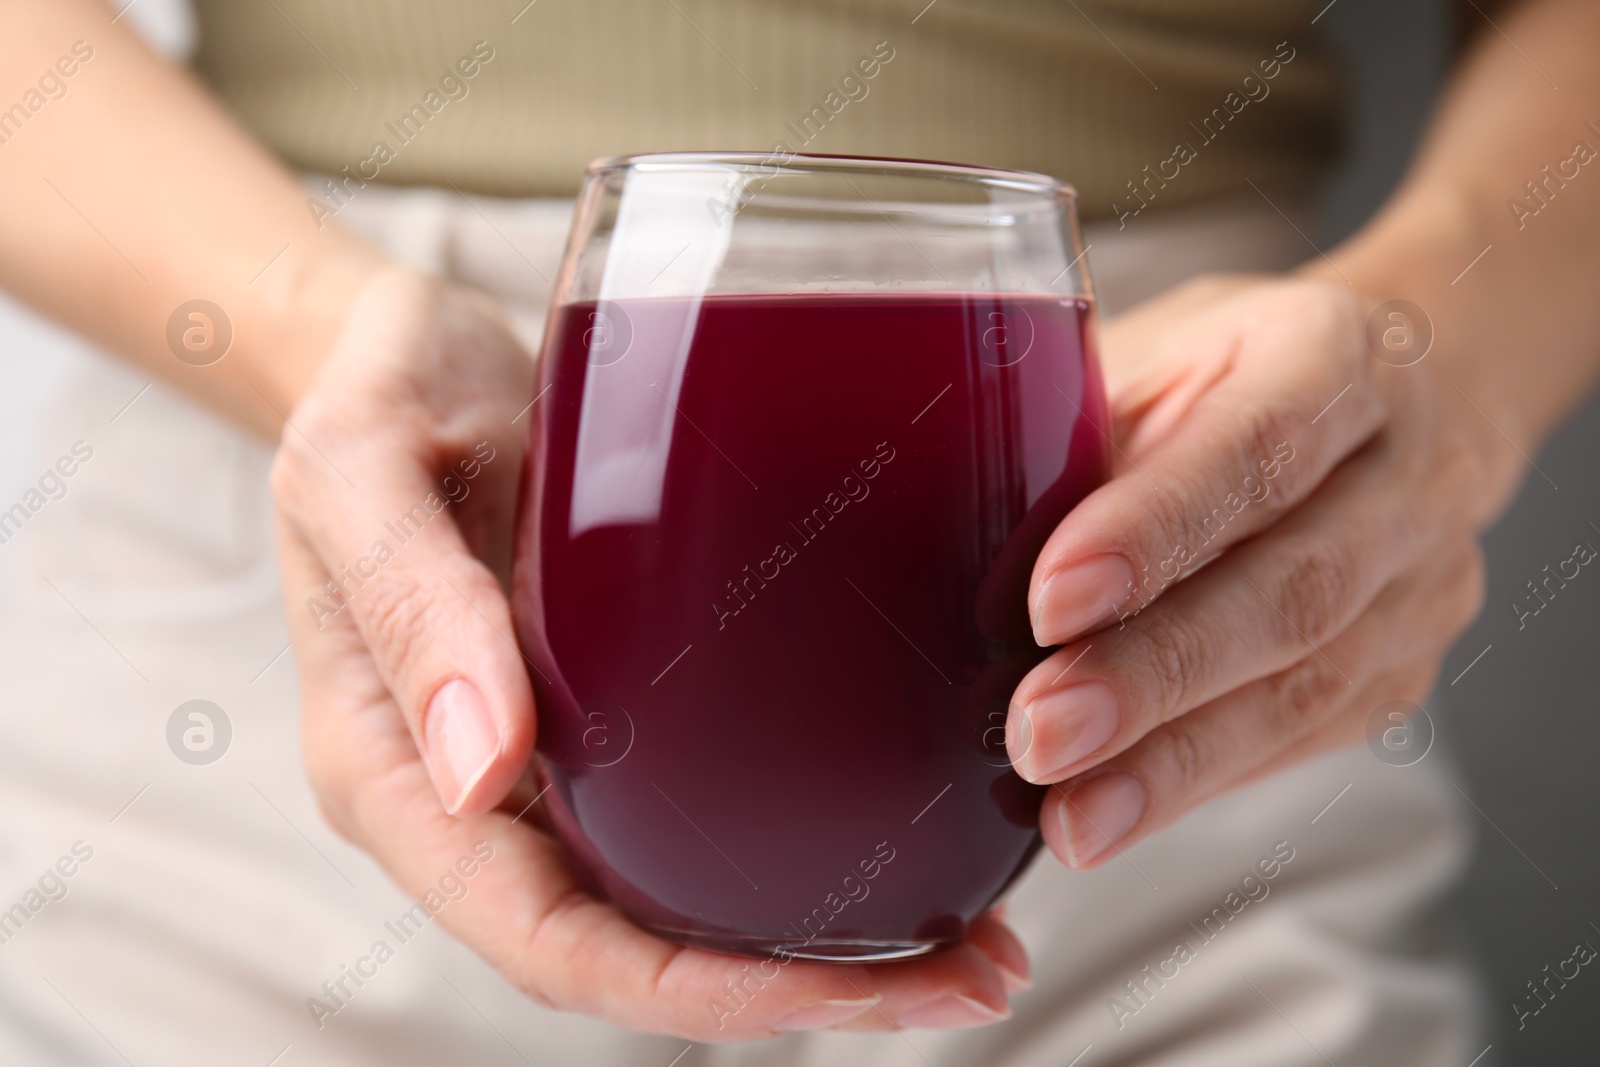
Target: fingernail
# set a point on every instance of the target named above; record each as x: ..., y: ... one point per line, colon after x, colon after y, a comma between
x: 1019, y: 739
x: 1077, y: 597
x: 461, y: 740
x: 1065, y: 726
x: 1097, y: 814
x: 825, y: 1013
x: 952, y: 1013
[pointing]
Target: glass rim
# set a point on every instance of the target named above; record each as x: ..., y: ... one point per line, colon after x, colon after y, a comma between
x: 803, y: 162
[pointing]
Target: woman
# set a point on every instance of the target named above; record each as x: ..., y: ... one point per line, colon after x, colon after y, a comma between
x: 380, y: 361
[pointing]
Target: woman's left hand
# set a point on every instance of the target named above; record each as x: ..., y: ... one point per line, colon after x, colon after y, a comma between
x: 396, y: 488
x: 1289, y: 541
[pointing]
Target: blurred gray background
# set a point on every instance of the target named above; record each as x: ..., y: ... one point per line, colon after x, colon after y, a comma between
x: 1520, y: 724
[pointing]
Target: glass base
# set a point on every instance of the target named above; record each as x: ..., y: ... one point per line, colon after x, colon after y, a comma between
x: 835, y: 950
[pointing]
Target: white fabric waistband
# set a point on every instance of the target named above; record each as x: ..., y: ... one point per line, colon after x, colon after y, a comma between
x: 511, y: 249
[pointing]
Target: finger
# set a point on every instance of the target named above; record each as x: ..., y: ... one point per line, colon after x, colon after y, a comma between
x: 1348, y: 726
x: 1083, y: 831
x: 394, y: 565
x: 334, y: 666
x: 957, y: 988
x: 1242, y: 451
x: 370, y: 487
x: 1229, y: 740
x: 1253, y: 613
x: 987, y: 935
x: 991, y: 936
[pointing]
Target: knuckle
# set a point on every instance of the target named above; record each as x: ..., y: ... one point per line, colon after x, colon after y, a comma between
x: 1172, y: 512
x: 298, y: 470
x: 1326, y: 316
x: 1268, y: 427
x: 1188, y: 758
x: 322, y: 413
x: 1300, y: 697
x: 393, y: 615
x: 1268, y: 451
x: 1314, y: 593
x: 1331, y: 322
x: 1173, y: 658
x: 1335, y: 313
x: 326, y: 432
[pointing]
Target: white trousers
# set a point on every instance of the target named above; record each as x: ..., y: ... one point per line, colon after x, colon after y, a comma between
x: 214, y: 901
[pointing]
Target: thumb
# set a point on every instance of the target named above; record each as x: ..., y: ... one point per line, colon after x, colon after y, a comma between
x: 385, y: 562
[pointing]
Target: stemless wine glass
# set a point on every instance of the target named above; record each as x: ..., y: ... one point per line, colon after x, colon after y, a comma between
x: 804, y: 424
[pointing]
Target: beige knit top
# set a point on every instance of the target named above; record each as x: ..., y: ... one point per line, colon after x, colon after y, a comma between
x: 1139, y: 103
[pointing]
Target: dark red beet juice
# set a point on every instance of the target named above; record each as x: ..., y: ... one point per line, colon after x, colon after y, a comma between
x: 772, y: 564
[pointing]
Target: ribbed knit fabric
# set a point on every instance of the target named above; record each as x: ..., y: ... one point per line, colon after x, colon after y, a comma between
x: 1090, y: 91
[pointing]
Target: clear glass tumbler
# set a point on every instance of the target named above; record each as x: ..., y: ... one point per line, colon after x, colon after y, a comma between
x: 804, y: 424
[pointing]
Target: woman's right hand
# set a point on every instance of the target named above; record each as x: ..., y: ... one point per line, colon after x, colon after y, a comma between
x: 418, y: 716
